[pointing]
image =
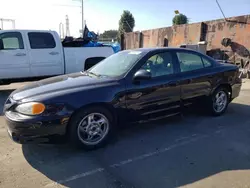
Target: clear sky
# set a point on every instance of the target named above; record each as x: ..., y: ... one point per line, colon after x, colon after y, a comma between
x: 102, y: 15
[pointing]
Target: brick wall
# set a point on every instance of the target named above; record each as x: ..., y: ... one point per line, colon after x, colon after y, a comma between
x: 155, y: 37
x: 236, y: 28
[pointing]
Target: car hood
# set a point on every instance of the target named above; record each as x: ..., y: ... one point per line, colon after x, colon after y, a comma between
x: 59, y: 83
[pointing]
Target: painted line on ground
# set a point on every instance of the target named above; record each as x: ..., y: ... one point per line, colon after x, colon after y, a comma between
x: 185, y: 137
x: 127, y: 161
x: 194, y: 137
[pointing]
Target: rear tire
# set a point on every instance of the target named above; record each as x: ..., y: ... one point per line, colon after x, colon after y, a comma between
x: 219, y: 101
x: 91, y: 128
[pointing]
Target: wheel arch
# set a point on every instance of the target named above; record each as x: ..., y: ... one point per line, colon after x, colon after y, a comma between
x: 107, y: 106
x: 226, y: 86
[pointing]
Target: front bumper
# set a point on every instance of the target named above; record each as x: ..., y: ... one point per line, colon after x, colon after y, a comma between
x: 236, y: 90
x: 34, y: 129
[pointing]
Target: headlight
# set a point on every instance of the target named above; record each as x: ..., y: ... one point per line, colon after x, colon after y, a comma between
x: 31, y: 108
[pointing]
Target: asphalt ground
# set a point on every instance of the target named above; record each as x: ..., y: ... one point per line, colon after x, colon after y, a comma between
x: 195, y: 150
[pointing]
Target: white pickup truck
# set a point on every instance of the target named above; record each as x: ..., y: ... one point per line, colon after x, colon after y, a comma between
x: 32, y: 54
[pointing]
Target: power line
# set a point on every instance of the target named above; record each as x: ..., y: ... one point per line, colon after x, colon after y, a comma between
x: 129, y: 25
x: 62, y: 5
x: 221, y: 10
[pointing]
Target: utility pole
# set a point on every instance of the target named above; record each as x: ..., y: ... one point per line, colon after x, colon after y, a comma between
x: 82, y: 8
x: 67, y: 26
x: 2, y: 20
x: 61, y: 30
x: 83, y: 24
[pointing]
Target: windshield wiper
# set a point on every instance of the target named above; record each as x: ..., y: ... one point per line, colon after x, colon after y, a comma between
x: 97, y: 75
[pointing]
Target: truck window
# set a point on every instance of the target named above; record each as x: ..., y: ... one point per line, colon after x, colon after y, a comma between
x: 39, y: 40
x: 12, y: 40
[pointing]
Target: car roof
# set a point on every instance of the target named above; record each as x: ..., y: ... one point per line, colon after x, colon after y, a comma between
x: 155, y: 49
x: 25, y: 30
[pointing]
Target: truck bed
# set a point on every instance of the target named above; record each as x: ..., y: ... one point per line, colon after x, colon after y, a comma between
x: 75, y: 58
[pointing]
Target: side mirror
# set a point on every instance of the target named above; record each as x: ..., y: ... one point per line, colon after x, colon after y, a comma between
x: 142, y: 75
x: 1, y: 44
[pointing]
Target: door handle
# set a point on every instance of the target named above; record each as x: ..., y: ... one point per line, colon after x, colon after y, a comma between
x: 53, y: 53
x: 20, y: 54
x: 173, y: 83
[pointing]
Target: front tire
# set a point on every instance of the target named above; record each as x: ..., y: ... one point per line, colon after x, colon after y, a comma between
x: 219, y: 101
x: 91, y: 128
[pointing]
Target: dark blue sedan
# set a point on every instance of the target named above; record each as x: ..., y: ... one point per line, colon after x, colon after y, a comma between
x: 130, y: 86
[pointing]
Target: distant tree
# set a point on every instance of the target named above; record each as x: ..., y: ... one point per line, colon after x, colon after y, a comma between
x: 180, y: 19
x: 109, y: 34
x: 126, y: 23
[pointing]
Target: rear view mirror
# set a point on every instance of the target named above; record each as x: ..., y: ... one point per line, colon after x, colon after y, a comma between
x: 142, y: 75
x: 1, y: 44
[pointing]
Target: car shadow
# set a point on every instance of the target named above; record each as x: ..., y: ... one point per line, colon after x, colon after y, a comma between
x: 185, y: 165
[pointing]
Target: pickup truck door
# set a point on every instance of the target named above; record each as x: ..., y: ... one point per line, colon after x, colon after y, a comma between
x: 196, y: 76
x: 46, y: 54
x: 14, y: 60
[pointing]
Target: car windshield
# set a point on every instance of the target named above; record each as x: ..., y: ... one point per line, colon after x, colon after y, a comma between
x: 116, y: 65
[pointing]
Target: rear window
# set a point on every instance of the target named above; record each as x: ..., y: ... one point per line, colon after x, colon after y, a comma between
x: 206, y: 62
x: 39, y: 40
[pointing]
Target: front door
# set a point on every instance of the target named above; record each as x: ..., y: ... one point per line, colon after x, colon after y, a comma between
x: 159, y: 96
x: 195, y: 76
x: 46, y: 55
x: 14, y: 60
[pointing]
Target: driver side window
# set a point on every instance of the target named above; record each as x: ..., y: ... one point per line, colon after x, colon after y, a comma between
x: 160, y: 64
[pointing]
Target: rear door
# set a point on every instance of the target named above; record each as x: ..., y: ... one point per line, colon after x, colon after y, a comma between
x: 14, y: 60
x: 196, y: 75
x: 46, y: 55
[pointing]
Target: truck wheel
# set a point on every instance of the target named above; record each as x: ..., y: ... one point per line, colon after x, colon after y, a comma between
x: 91, y: 128
x: 219, y: 101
